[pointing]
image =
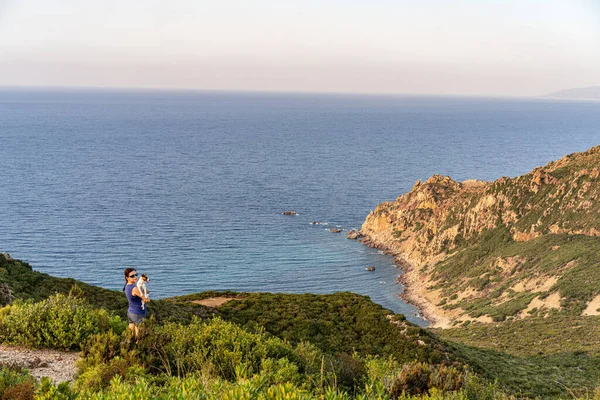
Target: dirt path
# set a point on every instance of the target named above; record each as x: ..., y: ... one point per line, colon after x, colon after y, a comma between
x: 214, y: 301
x: 58, y: 365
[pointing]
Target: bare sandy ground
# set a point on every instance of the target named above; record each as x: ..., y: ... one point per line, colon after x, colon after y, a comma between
x: 58, y: 365
x: 593, y: 307
x: 213, y: 301
x: 417, y: 293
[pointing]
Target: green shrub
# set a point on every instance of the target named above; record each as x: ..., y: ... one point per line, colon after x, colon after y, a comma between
x: 179, y: 349
x: 107, y: 355
x: 16, y: 384
x: 349, y: 370
x: 196, y: 387
x: 48, y: 390
x: 419, y: 378
x: 58, y: 322
x: 216, y: 349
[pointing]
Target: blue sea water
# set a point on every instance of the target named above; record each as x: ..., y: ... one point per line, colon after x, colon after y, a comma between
x: 189, y: 187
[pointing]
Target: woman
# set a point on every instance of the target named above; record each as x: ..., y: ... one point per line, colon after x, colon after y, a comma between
x: 135, y: 312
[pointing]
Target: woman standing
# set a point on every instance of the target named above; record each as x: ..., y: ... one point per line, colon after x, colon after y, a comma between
x: 135, y: 312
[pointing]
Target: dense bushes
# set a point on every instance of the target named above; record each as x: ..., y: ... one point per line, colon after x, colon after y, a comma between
x: 60, y: 322
x: 419, y: 378
x: 220, y: 360
x: 269, y: 346
x: 27, y: 284
x: 16, y: 384
x: 212, y: 360
x: 216, y: 349
x: 335, y: 323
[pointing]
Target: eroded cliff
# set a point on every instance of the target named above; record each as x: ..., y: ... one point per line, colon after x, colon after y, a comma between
x: 494, y: 250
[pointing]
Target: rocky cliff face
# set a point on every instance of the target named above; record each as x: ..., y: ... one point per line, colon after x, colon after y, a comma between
x: 441, y: 219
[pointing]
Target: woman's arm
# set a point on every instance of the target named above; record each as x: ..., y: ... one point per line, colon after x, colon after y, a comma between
x: 136, y: 292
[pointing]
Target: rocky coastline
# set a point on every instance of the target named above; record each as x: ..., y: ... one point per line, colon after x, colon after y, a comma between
x: 485, y: 252
x: 414, y: 292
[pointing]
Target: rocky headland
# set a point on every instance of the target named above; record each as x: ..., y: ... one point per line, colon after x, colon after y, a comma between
x: 514, y: 248
x: 585, y: 93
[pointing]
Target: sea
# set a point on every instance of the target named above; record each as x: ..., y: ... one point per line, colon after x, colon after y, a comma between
x: 189, y: 187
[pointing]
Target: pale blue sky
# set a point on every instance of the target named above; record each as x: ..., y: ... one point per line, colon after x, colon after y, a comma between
x: 431, y: 47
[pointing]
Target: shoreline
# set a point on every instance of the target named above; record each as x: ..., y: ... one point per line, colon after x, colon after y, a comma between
x: 414, y: 287
x: 415, y: 292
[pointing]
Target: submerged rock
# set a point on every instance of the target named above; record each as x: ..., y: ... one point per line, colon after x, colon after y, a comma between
x: 335, y: 230
x: 354, y: 234
x: 291, y: 212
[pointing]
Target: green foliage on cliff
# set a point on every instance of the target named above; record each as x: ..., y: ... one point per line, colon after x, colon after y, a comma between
x: 542, y: 356
x: 336, y: 323
x: 497, y: 244
x: 572, y: 259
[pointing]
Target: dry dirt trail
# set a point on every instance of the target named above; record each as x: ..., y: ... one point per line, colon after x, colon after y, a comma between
x: 58, y: 365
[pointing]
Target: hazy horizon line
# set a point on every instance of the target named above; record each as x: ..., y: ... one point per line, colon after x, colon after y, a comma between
x: 252, y: 91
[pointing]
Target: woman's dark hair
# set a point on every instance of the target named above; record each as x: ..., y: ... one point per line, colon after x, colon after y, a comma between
x: 127, y: 272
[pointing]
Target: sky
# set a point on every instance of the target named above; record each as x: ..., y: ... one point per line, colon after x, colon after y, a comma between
x: 460, y: 47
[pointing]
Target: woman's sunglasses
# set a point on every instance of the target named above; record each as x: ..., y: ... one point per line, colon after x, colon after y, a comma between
x: 133, y: 276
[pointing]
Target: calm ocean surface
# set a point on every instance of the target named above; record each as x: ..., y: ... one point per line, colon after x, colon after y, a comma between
x: 189, y: 187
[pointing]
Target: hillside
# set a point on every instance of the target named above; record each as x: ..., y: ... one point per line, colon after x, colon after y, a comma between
x: 336, y: 323
x: 320, y: 343
x: 514, y: 248
x: 587, y: 93
x: 19, y: 281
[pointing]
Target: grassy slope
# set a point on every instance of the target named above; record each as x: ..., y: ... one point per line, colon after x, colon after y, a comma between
x: 346, y: 322
x: 557, y: 375
x: 336, y: 323
x: 572, y: 258
x: 542, y: 356
x: 341, y: 322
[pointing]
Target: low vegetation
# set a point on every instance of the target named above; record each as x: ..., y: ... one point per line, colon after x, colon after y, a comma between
x: 338, y: 323
x: 275, y: 346
x: 570, y: 259
x: 212, y: 359
x: 21, y: 282
x: 60, y: 322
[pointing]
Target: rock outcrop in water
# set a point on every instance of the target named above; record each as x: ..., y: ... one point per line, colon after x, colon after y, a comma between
x: 495, y: 250
x: 354, y: 234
